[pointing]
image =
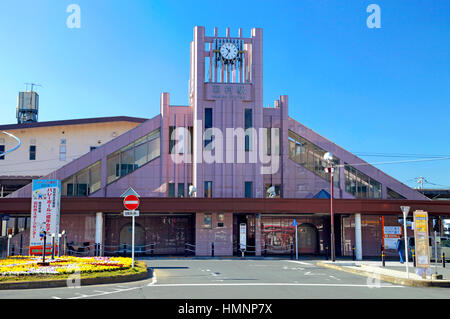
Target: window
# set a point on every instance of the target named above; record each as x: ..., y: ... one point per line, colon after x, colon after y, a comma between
x: 248, y: 123
x: 191, y: 139
x: 62, y: 150
x: 248, y: 189
x: 391, y: 194
x: 208, y: 189
x: 180, y: 136
x: 276, y: 139
x: 2, y: 150
x: 172, y: 140
x: 171, y: 190
x: 360, y: 185
x: 310, y: 156
x: 32, y: 152
x: 277, y: 190
x: 180, y: 189
x: 133, y: 156
x: 208, y: 125
x: 83, y: 183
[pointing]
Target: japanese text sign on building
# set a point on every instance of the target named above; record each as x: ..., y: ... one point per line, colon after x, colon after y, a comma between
x: 45, y: 209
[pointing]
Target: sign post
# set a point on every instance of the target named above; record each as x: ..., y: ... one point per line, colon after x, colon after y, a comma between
x: 294, y: 223
x: 131, y: 202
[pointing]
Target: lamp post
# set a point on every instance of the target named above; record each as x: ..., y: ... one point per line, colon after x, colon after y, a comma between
x: 9, y: 241
x: 65, y: 237
x: 59, y: 245
x: 328, y: 157
x: 53, y: 245
x: 405, y: 211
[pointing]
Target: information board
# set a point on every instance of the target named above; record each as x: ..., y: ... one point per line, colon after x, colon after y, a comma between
x: 421, y: 239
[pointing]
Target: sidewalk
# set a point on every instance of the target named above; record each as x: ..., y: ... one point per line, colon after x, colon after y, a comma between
x: 393, y: 272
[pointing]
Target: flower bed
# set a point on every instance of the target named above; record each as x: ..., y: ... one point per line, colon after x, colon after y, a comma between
x: 28, y: 265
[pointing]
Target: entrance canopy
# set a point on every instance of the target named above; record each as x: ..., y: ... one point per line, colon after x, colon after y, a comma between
x: 242, y: 205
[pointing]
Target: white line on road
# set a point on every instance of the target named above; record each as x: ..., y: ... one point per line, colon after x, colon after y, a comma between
x: 153, y: 279
x: 272, y: 284
x: 299, y: 262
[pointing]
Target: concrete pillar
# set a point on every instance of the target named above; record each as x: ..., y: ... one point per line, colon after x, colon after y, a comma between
x: 99, y: 231
x: 358, y: 237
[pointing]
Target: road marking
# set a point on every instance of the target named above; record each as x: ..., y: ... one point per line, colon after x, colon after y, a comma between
x: 299, y: 262
x: 153, y: 279
x: 308, y: 273
x: 334, y: 278
x: 56, y: 297
x: 272, y: 284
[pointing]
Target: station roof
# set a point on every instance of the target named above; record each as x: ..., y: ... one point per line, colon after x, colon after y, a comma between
x: 92, y: 120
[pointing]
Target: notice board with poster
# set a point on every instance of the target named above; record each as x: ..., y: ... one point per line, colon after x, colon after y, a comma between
x: 45, y: 209
x: 391, y: 235
x: 421, y: 242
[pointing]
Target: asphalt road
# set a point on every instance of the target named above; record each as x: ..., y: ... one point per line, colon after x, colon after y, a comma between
x: 236, y: 279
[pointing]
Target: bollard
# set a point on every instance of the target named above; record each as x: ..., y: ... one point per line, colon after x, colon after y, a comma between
x: 443, y: 260
x: 414, y: 258
x: 152, y: 249
x: 12, y: 250
x: 382, y: 258
x: 353, y: 253
x: 265, y: 249
x: 326, y: 252
x: 212, y: 249
x: 292, y: 251
x: 124, y: 250
x: 185, y: 250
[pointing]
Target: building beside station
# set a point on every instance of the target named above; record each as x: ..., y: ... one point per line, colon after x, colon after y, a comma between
x: 248, y: 164
x: 47, y: 146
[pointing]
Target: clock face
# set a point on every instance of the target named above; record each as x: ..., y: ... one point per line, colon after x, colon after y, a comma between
x: 228, y: 51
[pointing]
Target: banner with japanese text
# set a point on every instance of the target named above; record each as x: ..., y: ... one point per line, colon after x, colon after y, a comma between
x: 45, y: 209
x: 422, y: 248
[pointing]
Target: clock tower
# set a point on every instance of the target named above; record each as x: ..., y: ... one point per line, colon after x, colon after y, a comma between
x: 226, y: 93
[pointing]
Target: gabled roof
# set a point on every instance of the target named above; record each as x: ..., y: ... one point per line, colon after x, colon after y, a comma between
x: 73, y: 122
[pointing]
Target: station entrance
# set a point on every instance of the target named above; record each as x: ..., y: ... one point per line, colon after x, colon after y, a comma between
x: 155, y: 234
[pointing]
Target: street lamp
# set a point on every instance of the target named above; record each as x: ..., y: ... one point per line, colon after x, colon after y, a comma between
x: 9, y: 240
x: 405, y: 211
x: 59, y: 245
x: 328, y: 157
x: 65, y: 238
x: 53, y: 245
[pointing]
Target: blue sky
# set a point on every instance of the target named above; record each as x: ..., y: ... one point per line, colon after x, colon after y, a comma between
x: 370, y: 91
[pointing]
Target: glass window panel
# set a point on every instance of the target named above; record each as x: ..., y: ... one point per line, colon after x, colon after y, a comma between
x: 154, y: 149
x: 95, y: 177
x: 180, y: 189
x: 208, y: 189
x: 171, y: 190
x: 140, y: 154
x: 82, y: 182
x: 113, y: 167
x: 248, y: 189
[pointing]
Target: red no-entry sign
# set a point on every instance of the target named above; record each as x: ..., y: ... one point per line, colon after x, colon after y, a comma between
x: 131, y: 202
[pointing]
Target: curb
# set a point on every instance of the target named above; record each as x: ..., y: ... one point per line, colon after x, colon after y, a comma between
x: 387, y: 278
x: 63, y: 282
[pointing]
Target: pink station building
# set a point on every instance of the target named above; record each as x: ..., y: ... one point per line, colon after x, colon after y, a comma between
x: 204, y: 169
